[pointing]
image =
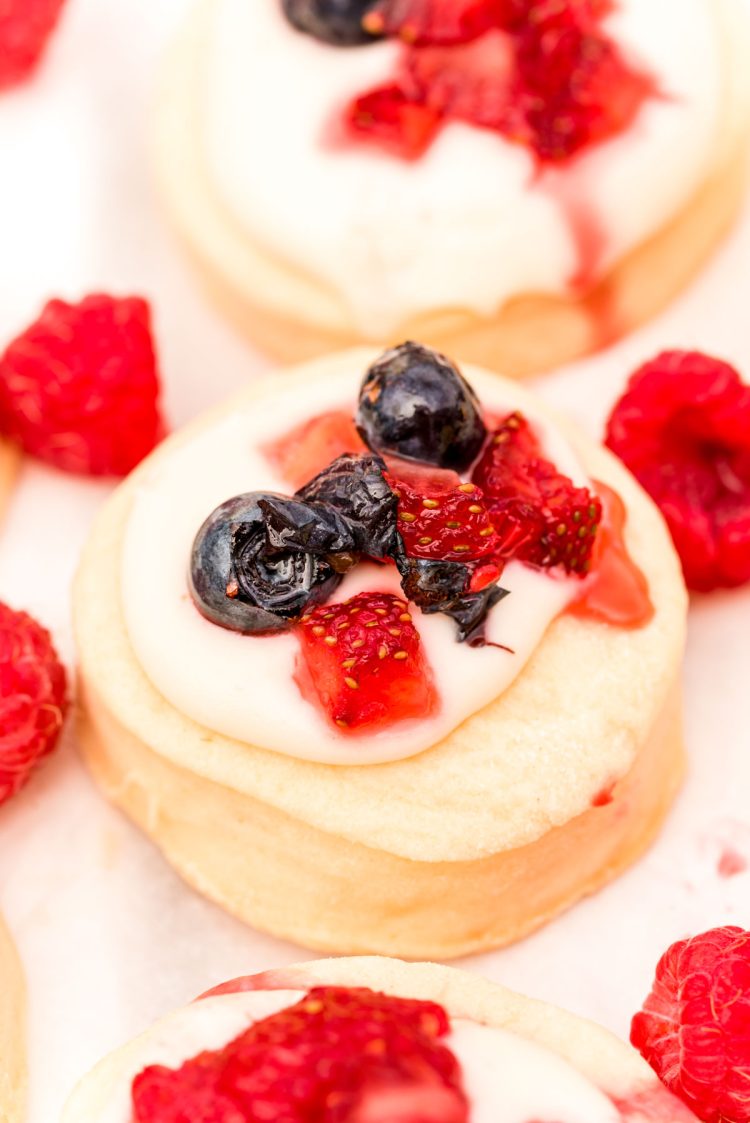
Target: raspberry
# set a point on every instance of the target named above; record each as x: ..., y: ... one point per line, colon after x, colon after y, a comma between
x: 33, y: 698
x: 338, y: 1055
x: 79, y: 388
x: 440, y: 517
x: 539, y: 514
x: 25, y: 28
x: 683, y: 428
x: 313, y: 445
x: 694, y: 1029
x: 363, y: 662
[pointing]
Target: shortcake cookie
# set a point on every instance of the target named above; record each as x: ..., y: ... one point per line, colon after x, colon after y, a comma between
x: 384, y: 658
x: 373, y: 1039
x: 12, y: 1032
x: 515, y: 184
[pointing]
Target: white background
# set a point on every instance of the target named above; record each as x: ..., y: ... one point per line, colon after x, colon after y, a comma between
x: 109, y: 936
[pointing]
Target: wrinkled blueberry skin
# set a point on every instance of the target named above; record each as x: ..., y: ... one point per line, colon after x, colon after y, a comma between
x: 354, y: 487
x: 414, y: 403
x: 272, y: 587
x: 441, y: 586
x: 338, y: 22
x: 291, y: 524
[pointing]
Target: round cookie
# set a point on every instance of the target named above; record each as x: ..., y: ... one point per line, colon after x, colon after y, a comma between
x: 609, y: 1065
x: 12, y: 1029
x: 542, y: 796
x: 295, y: 315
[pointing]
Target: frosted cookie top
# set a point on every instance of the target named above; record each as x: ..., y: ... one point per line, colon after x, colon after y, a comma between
x: 352, y: 604
x: 497, y: 199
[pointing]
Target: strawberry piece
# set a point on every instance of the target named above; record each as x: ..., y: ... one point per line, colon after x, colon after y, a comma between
x: 25, y: 29
x: 440, y: 517
x: 301, y: 455
x: 541, y: 517
x: 436, y: 21
x: 79, y: 388
x: 33, y: 698
x: 363, y: 663
x: 683, y: 428
x: 340, y: 1054
x: 395, y: 120
x: 694, y: 1028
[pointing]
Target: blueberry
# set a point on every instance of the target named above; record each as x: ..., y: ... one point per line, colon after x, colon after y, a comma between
x: 338, y: 22
x: 442, y: 586
x: 248, y: 574
x: 354, y: 487
x: 414, y: 403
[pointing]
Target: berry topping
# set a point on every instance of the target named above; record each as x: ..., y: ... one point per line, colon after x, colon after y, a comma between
x: 436, y: 21
x: 355, y: 487
x: 683, y: 428
x: 415, y: 404
x: 339, y: 22
x: 25, y: 28
x: 338, y: 1055
x: 363, y: 662
x: 311, y: 447
x: 693, y: 1029
x: 80, y: 389
x: 446, y: 520
x: 259, y: 560
x: 541, y: 516
x: 452, y: 589
x: 33, y: 698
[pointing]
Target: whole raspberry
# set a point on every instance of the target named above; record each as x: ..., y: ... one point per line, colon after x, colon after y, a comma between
x: 79, y: 388
x: 683, y: 429
x: 694, y: 1029
x: 25, y: 27
x: 33, y: 698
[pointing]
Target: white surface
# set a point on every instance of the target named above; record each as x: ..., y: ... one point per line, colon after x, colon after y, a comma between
x: 536, y: 1083
x: 110, y: 937
x: 384, y: 230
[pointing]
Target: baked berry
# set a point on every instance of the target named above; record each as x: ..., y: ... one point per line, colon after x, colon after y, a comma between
x: 683, y: 429
x: 33, y: 698
x: 355, y: 487
x: 449, y: 588
x: 423, y: 22
x: 693, y: 1028
x: 252, y: 568
x: 80, y: 388
x: 390, y: 116
x: 312, y: 446
x: 25, y: 29
x: 338, y: 1054
x: 415, y: 404
x: 440, y: 516
x: 540, y: 516
x: 339, y: 22
x: 363, y: 662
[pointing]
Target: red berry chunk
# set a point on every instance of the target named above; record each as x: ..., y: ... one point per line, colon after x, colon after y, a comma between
x: 307, y: 450
x: 396, y: 121
x: 363, y: 662
x: 694, y: 1029
x: 338, y: 1055
x: 436, y: 21
x: 683, y: 429
x: 440, y: 517
x: 25, y: 27
x: 80, y: 389
x: 32, y: 698
x: 540, y: 516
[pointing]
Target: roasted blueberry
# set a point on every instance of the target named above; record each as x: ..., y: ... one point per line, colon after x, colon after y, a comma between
x: 443, y: 586
x: 338, y: 22
x: 241, y: 580
x: 470, y: 614
x: 414, y: 403
x: 353, y: 486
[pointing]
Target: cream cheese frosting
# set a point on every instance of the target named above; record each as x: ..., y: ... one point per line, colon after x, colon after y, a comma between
x: 243, y: 686
x: 506, y: 1077
x: 469, y: 225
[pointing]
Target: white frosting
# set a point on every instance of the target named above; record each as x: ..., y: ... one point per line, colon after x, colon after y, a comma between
x: 469, y: 225
x: 243, y: 686
x: 507, y: 1078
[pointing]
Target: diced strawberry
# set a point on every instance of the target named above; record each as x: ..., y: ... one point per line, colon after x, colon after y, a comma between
x: 441, y: 518
x: 398, y: 123
x: 436, y: 21
x: 363, y: 662
x: 541, y: 517
x: 312, y: 446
